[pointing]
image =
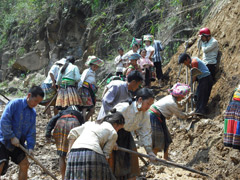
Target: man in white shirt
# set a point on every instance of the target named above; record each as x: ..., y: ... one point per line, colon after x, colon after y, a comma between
x: 210, y: 49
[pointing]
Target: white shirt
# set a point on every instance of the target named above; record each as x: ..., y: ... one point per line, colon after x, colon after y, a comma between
x: 54, y: 70
x: 210, y: 51
x: 88, y: 75
x: 168, y: 106
x: 71, y: 72
x: 138, y: 121
x: 119, y: 64
x: 98, y: 137
x: 149, y: 50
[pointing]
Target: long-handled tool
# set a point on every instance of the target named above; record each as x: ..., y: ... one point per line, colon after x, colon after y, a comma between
x: 54, y: 97
x: 193, y: 73
x: 4, y: 97
x: 163, y: 161
x: 186, y: 46
x: 37, y: 162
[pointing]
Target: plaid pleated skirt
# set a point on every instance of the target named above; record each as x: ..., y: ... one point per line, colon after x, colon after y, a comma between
x: 49, y: 93
x: 88, y: 95
x: 61, y: 131
x: 85, y: 164
x: 67, y: 97
x: 161, y: 138
x: 232, y: 125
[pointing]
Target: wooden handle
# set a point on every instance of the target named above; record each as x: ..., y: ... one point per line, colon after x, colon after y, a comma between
x: 54, y: 97
x: 163, y: 161
x: 37, y: 162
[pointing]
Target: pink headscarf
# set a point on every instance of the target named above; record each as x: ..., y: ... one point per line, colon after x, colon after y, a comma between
x: 179, y: 90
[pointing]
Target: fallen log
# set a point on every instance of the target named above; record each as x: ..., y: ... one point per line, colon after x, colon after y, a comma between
x: 163, y: 161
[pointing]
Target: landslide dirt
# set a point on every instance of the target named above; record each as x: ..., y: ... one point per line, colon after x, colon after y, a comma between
x: 202, y: 146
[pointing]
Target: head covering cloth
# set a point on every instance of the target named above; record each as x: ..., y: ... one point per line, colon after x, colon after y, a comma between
x: 179, y: 90
x: 148, y: 38
x: 236, y: 95
x: 61, y: 61
x: 134, y: 56
x: 94, y: 60
x: 136, y: 41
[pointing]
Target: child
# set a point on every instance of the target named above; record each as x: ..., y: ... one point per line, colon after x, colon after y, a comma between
x: 133, y: 64
x: 119, y: 62
x: 87, y: 86
x: 145, y: 65
x: 138, y: 42
x: 166, y: 108
x: 91, y: 145
x: 148, y: 40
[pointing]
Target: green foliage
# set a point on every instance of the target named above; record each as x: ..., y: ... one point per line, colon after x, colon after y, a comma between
x: 4, y: 84
x: 11, y: 62
x: 21, y: 51
x: 18, y: 13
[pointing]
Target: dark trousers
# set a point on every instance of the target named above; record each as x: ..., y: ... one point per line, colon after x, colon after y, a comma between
x: 203, y: 92
x: 158, y: 66
x: 147, y: 77
x: 212, y: 69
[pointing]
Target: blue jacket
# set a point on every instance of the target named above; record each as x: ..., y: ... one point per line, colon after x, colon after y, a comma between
x: 18, y: 120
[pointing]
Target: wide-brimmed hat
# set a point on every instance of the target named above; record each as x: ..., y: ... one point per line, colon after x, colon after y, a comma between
x: 148, y: 38
x: 179, y: 90
x: 134, y: 56
x: 94, y: 60
x: 61, y: 61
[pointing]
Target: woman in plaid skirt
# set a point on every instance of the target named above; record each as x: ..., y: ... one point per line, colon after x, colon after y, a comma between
x: 67, y: 80
x: 90, y: 146
x: 87, y: 86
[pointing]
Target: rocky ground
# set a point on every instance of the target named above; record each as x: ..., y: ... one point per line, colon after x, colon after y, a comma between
x: 201, y: 147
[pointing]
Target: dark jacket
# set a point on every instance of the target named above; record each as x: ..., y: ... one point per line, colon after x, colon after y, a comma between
x: 73, y: 110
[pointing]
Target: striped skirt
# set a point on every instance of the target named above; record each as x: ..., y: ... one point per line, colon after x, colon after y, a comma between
x: 49, y: 93
x: 67, y: 97
x: 232, y: 125
x: 88, y: 165
x: 61, y: 131
x: 161, y: 138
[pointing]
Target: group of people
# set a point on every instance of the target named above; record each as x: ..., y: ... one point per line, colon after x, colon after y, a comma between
x: 89, y: 150
x: 70, y: 87
x: 144, y: 57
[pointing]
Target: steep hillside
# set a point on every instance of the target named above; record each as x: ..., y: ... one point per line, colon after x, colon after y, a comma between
x: 202, y: 146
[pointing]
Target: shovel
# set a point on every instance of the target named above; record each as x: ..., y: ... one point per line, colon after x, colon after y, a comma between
x: 194, y: 72
x: 163, y: 161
